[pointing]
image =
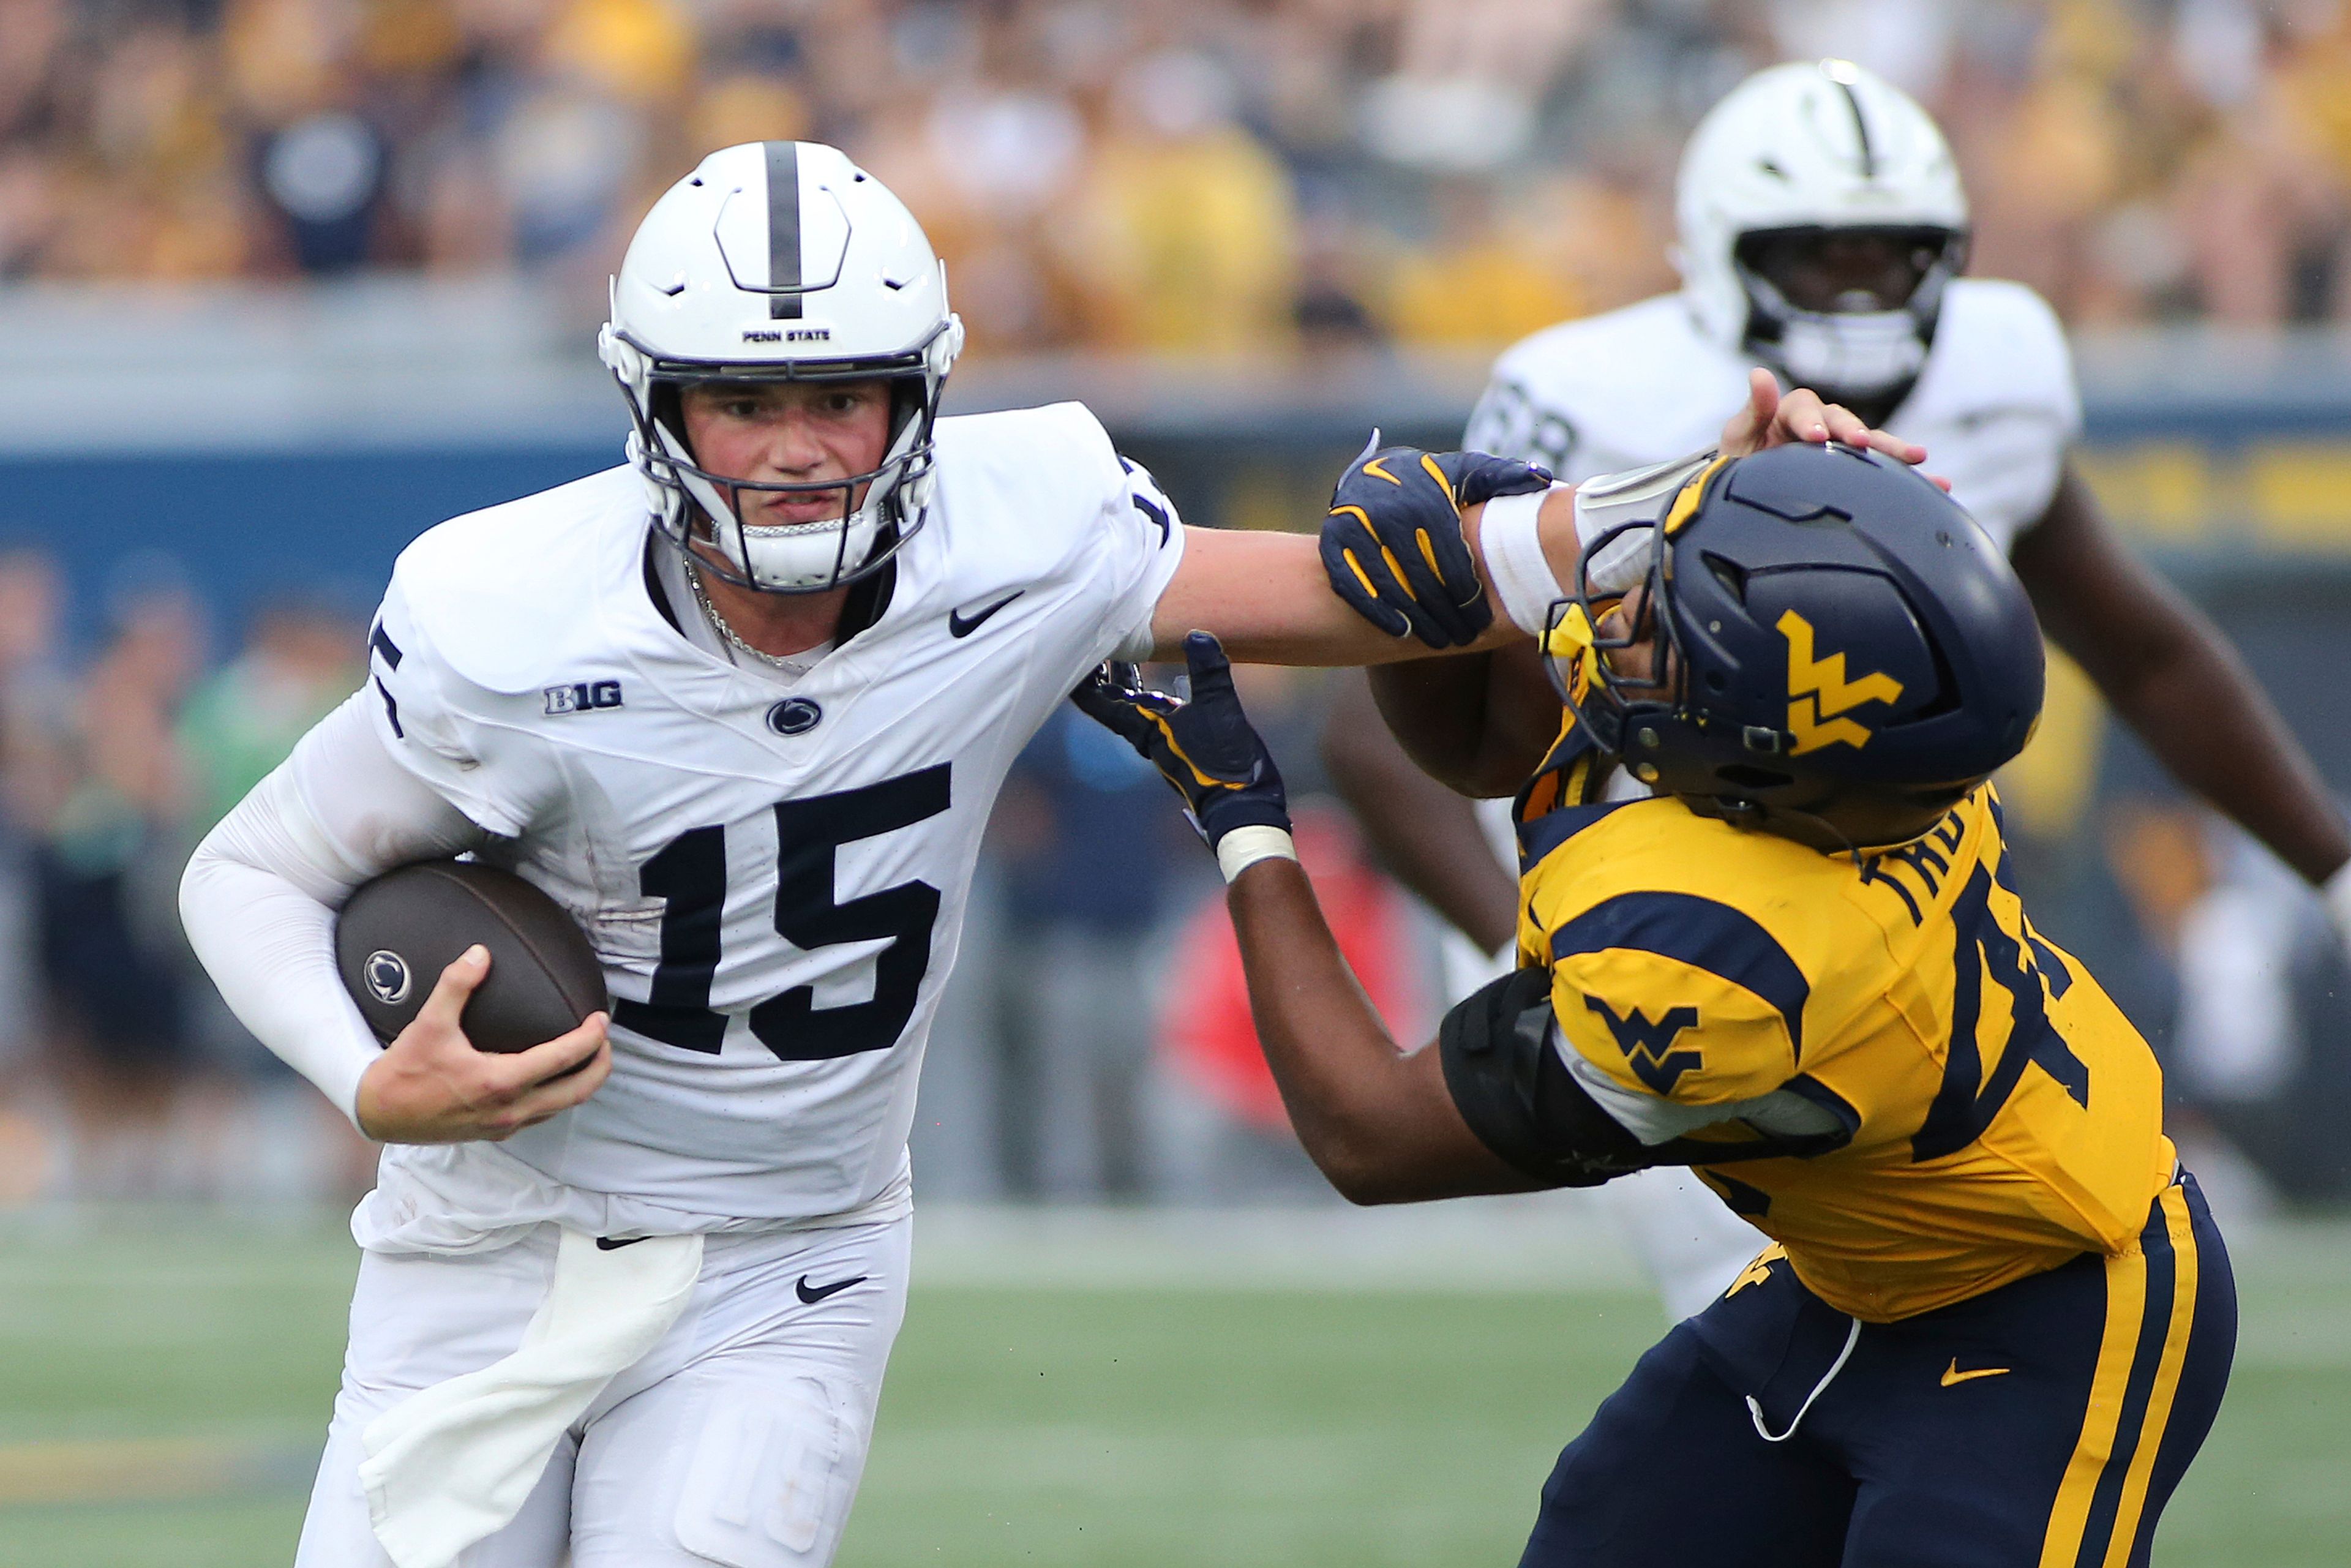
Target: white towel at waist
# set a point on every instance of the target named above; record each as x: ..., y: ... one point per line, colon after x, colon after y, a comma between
x: 453, y: 1463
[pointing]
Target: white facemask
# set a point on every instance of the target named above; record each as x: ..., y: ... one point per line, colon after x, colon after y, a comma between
x: 1864, y: 354
x: 1848, y: 354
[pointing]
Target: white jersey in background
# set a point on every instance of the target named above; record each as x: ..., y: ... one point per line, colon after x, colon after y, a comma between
x: 772, y: 865
x: 1995, y: 404
x: 1995, y: 407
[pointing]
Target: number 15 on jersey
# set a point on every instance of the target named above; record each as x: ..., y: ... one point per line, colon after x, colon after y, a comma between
x: 689, y: 874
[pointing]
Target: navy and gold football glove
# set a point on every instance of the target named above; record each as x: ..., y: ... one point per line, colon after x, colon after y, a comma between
x: 1392, y: 545
x: 1205, y: 748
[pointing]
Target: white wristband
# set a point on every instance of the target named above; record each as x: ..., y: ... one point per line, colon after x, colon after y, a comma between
x: 1511, y: 542
x: 1244, y: 847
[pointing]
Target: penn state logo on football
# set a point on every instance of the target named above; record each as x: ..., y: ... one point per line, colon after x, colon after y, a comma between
x: 794, y: 716
x: 386, y: 973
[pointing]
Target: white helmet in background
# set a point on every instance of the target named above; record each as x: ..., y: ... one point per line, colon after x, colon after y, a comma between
x: 782, y: 261
x: 1801, y: 148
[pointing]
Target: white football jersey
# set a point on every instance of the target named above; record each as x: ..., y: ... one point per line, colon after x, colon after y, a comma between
x: 1995, y: 406
x: 773, y: 867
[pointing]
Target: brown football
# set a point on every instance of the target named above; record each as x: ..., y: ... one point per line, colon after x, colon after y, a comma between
x: 396, y: 933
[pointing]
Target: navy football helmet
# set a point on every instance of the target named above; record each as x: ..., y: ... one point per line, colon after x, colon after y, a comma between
x: 1834, y: 650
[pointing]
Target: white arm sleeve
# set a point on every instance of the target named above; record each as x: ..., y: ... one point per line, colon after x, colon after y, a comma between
x: 259, y: 897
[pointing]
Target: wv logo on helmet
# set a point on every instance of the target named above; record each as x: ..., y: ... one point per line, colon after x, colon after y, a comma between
x: 1818, y: 692
x: 1649, y: 1047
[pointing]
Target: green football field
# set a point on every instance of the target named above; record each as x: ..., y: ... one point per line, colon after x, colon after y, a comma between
x: 1138, y: 1397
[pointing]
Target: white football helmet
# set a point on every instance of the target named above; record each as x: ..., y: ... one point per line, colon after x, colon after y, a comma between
x: 1804, y: 148
x: 782, y: 261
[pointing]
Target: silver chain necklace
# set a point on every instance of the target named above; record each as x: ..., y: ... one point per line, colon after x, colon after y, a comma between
x: 786, y: 663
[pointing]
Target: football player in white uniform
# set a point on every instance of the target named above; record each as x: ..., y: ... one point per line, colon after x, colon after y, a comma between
x: 741, y: 705
x: 1823, y: 231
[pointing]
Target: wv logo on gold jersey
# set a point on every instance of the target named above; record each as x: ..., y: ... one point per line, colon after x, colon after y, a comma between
x: 1649, y: 1047
x: 1818, y: 692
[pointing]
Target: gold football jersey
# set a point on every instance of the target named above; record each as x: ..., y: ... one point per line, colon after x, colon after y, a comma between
x: 1878, y: 1061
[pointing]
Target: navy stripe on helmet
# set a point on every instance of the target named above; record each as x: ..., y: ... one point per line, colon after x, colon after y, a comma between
x: 783, y: 230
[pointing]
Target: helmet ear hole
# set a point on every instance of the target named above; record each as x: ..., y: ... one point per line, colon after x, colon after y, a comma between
x: 1733, y: 577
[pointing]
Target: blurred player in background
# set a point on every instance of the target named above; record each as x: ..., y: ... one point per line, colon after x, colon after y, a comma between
x: 1997, y: 1320
x: 742, y: 706
x: 1823, y: 231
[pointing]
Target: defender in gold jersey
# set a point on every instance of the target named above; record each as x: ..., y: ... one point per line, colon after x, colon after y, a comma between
x: 1968, y: 1105
x: 1997, y: 1320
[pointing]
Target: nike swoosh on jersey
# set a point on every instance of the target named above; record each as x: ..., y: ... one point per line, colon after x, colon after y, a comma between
x: 958, y: 625
x: 813, y: 1296
x: 608, y: 1244
x: 1952, y: 1374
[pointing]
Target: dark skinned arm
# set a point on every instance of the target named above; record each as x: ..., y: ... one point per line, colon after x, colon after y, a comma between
x: 1381, y: 1125
x: 1427, y: 836
x: 1479, y: 724
x: 2158, y: 658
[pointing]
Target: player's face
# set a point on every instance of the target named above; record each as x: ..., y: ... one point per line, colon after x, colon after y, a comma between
x: 792, y: 432
x: 1835, y: 270
x: 1636, y: 663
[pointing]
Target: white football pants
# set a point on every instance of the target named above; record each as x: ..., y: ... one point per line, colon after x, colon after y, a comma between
x: 739, y: 1439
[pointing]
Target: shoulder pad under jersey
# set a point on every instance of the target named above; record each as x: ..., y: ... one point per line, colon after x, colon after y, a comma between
x: 1999, y: 341
x: 1996, y: 406
x: 1999, y: 344
x: 1028, y: 486
x: 502, y: 596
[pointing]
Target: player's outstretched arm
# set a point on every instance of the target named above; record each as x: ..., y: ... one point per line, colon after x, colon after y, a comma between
x: 1398, y: 570
x: 1265, y: 597
x: 1380, y: 1125
x: 1482, y: 725
x: 2175, y: 679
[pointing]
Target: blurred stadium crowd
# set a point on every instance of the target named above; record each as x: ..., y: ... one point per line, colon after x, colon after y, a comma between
x: 1189, y: 175
x: 126, y: 1075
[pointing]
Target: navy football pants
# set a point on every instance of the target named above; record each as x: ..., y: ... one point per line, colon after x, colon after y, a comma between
x: 2042, y: 1424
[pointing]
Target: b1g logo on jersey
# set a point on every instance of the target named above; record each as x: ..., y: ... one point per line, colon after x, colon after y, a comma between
x: 583, y: 696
